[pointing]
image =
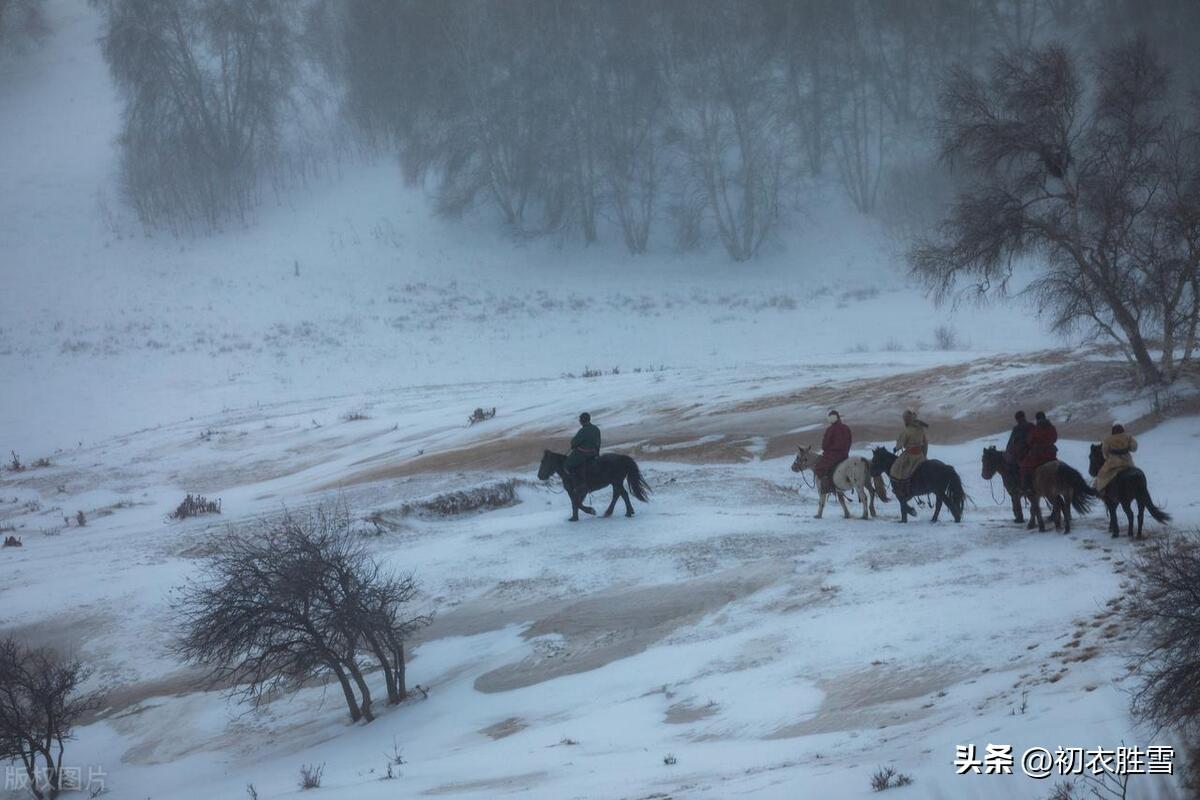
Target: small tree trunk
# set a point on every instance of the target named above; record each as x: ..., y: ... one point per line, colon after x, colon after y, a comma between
x: 348, y: 691
x: 363, y: 689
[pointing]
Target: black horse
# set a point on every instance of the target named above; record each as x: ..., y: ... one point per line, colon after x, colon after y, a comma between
x: 930, y: 477
x: 609, y: 469
x: 1128, y: 487
x: 994, y: 464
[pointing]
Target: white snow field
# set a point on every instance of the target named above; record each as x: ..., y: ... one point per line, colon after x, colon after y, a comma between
x: 767, y: 653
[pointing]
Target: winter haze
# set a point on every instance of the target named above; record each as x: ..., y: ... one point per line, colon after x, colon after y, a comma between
x: 297, y: 295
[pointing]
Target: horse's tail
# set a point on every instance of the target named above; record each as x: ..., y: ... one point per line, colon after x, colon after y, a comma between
x: 637, y: 484
x: 956, y: 496
x: 880, y: 486
x: 1143, y: 496
x: 1081, y: 492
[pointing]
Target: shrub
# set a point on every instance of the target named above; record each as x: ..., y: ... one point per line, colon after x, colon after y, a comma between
x: 889, y: 778
x: 1164, y: 611
x: 193, y: 506
x: 297, y: 598
x: 39, y: 708
x: 310, y: 776
x: 481, y: 414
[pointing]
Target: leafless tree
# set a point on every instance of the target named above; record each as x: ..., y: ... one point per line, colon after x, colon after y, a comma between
x: 1103, y: 192
x: 729, y: 122
x: 297, y: 600
x: 206, y: 83
x: 1164, y: 610
x: 40, y: 704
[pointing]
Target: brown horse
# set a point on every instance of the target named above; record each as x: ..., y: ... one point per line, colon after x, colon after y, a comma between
x: 994, y: 464
x: 1064, y: 489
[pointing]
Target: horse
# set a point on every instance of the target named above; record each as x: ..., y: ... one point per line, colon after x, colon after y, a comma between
x: 1064, y: 489
x: 852, y: 473
x: 609, y: 469
x: 1127, y: 487
x: 993, y: 464
x: 930, y: 477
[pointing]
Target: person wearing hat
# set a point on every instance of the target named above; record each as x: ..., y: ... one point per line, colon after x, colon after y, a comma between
x: 1042, y: 448
x: 1118, y: 448
x: 835, y: 448
x: 1018, y: 442
x: 585, y: 445
x: 913, y: 447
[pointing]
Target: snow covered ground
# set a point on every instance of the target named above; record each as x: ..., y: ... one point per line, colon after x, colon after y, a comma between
x: 771, y: 654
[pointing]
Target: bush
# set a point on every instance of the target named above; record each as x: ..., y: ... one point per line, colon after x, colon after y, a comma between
x: 193, y: 506
x: 296, y: 599
x: 1164, y: 610
x: 310, y: 776
x: 889, y: 778
x: 39, y: 707
x: 481, y: 414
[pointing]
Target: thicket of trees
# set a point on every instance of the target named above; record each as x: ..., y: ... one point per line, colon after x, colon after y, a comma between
x: 701, y: 120
x: 294, y: 600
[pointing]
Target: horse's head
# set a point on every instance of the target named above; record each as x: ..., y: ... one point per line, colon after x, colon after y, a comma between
x: 993, y: 460
x: 1095, y: 460
x: 881, y: 460
x: 804, y: 459
x: 551, y: 462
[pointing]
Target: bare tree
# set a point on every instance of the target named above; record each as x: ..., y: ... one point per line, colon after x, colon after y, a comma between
x: 40, y: 704
x: 206, y: 83
x: 295, y: 601
x: 729, y: 121
x: 1103, y: 193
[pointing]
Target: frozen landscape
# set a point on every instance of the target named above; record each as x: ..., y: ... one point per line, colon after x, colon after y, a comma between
x: 721, y: 643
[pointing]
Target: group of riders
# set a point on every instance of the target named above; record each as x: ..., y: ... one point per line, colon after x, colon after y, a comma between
x: 1030, y: 445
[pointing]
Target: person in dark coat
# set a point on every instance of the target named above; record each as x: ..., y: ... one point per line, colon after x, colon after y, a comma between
x: 585, y: 445
x: 835, y: 448
x: 1018, y: 442
x: 1042, y: 448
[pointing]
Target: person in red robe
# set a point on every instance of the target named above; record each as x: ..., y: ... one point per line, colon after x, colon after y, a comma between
x: 835, y: 448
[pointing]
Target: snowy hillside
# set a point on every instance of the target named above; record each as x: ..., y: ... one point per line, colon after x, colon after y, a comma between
x: 721, y: 643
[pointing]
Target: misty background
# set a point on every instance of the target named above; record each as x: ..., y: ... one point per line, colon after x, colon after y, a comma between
x: 211, y: 203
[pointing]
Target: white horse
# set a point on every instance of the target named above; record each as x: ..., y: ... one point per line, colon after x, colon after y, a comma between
x: 853, y: 473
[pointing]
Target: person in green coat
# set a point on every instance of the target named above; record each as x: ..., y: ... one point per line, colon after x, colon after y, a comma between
x: 585, y: 446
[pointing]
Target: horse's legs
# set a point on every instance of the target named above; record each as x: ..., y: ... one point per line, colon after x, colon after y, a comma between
x: 628, y: 505
x: 1141, y: 515
x: 842, y: 501
x: 616, y: 487
x: 1018, y: 512
x: 1041, y: 521
x: 862, y: 499
x: 1111, y: 507
x: 820, y: 497
x: 1065, y: 501
x: 1128, y: 506
x: 937, y: 507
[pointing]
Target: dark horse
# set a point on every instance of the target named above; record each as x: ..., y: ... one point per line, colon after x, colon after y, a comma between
x: 930, y: 477
x: 1063, y: 489
x: 609, y: 469
x: 1127, y: 487
x: 994, y: 464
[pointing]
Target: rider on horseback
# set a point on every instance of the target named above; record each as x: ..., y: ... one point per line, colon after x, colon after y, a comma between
x: 1041, y: 449
x: 913, y: 447
x: 585, y: 446
x: 1118, y: 448
x: 835, y: 448
x: 1018, y: 443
